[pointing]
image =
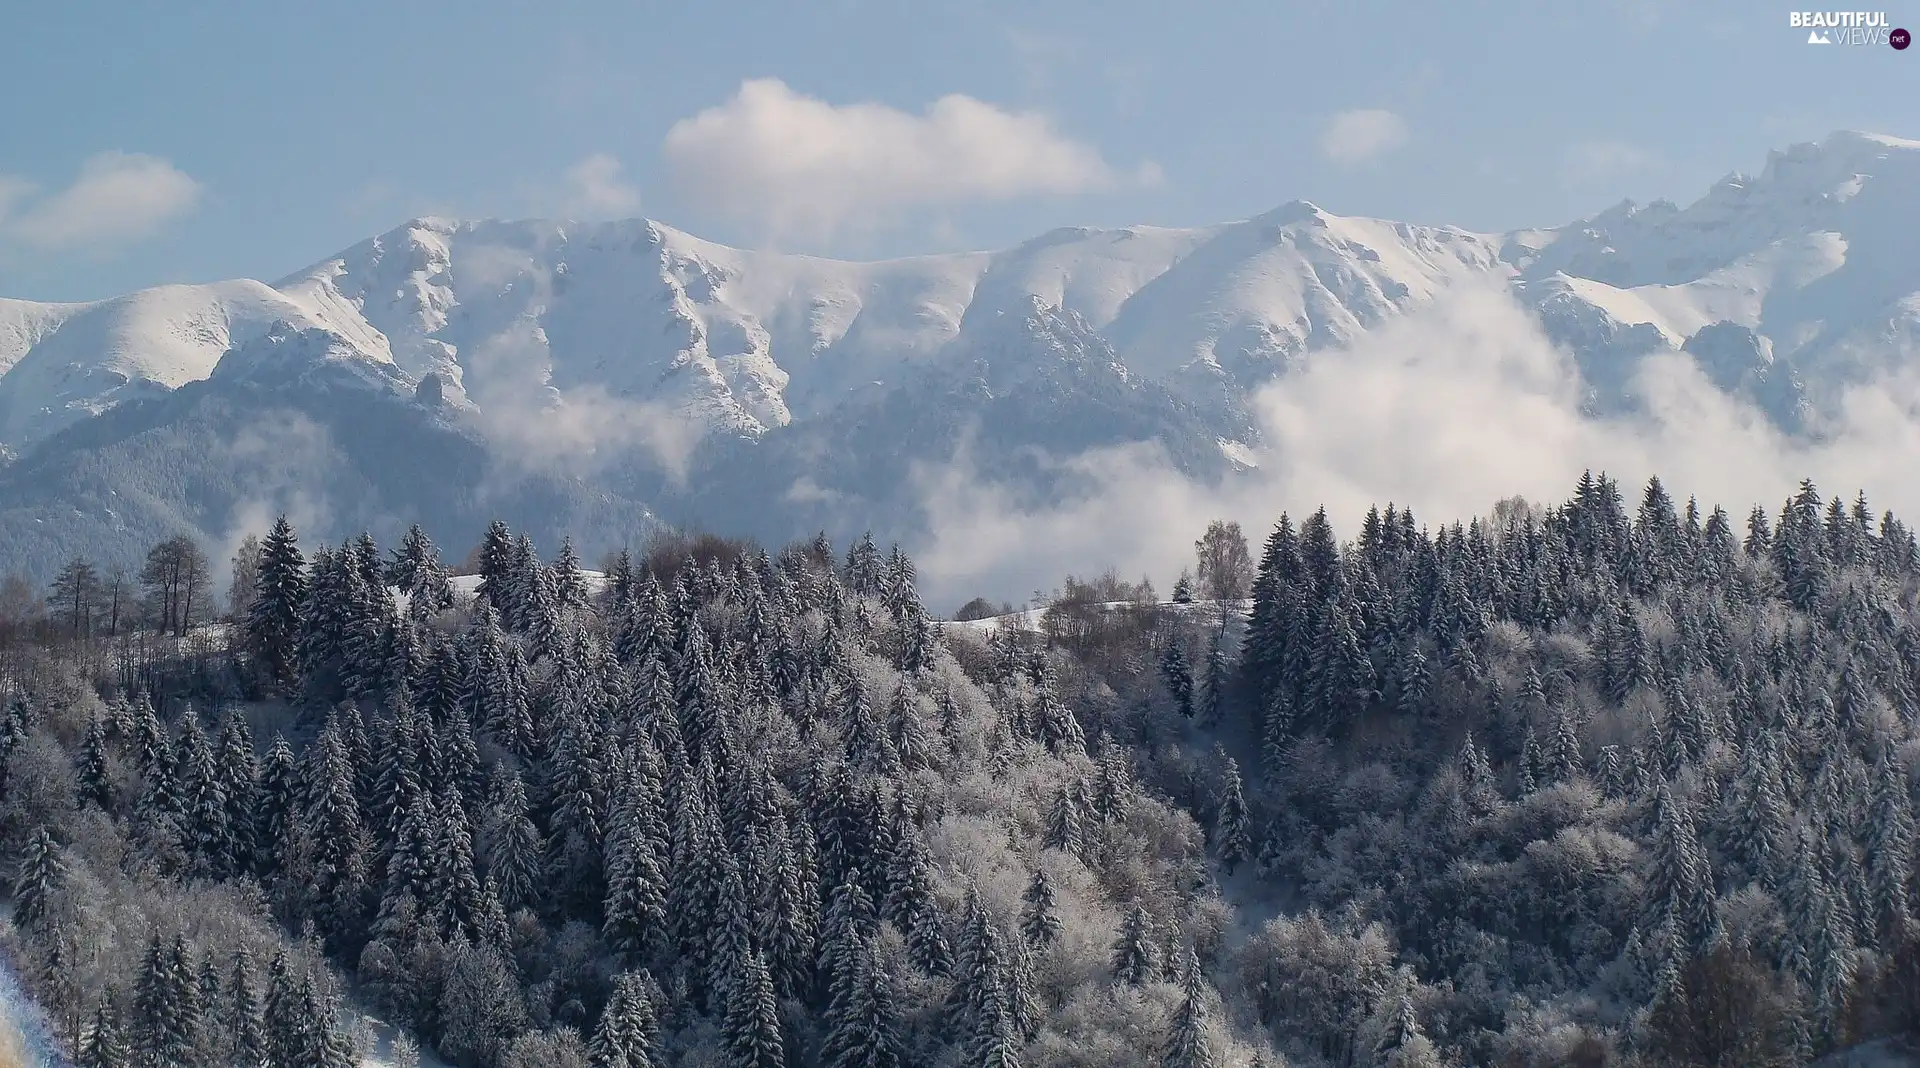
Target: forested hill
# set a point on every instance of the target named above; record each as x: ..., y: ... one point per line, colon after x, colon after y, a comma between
x: 1601, y: 784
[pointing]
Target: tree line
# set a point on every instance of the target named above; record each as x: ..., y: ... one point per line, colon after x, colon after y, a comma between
x: 1579, y: 784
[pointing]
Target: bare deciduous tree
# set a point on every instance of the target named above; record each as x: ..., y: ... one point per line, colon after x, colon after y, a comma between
x: 176, y: 581
x: 1226, y: 565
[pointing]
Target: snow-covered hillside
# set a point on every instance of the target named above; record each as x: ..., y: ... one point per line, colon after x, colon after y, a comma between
x: 60, y: 363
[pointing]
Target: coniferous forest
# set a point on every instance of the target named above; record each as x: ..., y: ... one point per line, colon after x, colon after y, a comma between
x: 1617, y: 782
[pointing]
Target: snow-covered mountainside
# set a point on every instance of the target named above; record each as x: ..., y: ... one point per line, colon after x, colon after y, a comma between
x: 723, y: 385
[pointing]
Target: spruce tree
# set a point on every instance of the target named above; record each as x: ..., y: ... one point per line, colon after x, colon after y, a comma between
x: 93, y: 776
x: 246, y: 1028
x: 627, y: 1035
x: 1040, y: 920
x: 104, y: 1045
x: 861, y: 1023
x: 1136, y: 956
x: 1067, y: 818
x: 636, y: 906
x: 38, y: 881
x: 1232, y: 841
x: 1187, y: 1045
x: 750, y: 1032
x: 1178, y: 678
x: 273, y: 620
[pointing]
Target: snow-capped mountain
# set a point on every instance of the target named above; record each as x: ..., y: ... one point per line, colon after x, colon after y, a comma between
x: 729, y: 386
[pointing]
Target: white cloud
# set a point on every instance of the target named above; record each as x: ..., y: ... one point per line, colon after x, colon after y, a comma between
x: 532, y: 426
x: 803, y: 167
x: 1603, y: 159
x: 1447, y: 410
x: 1361, y: 135
x: 12, y: 189
x: 596, y: 190
x: 117, y: 196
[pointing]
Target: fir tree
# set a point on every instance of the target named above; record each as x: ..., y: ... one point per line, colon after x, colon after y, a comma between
x: 750, y: 1032
x: 1232, y: 842
x: 246, y: 1029
x: 38, y: 882
x: 627, y: 1035
x: 92, y: 774
x: 274, y: 617
x: 104, y: 1045
x: 1040, y: 920
x: 1136, y: 957
x: 1067, y: 818
x: 1187, y: 1045
x: 1178, y: 678
x: 636, y: 907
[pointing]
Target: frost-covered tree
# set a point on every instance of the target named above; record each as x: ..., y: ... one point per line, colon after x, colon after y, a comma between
x: 38, y: 882
x: 1136, y: 955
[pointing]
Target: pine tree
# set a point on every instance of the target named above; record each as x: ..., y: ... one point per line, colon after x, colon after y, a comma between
x: 1136, y: 957
x: 850, y: 920
x: 1059, y: 728
x: 1680, y: 889
x: 1179, y: 679
x: 982, y: 997
x: 909, y: 734
x: 273, y: 819
x: 636, y: 906
x: 204, y: 799
x: 104, y: 1045
x: 1067, y: 818
x: 1187, y: 1045
x: 92, y: 773
x: 627, y: 1035
x: 238, y: 770
x: 165, y: 1006
x: 1232, y: 842
x: 246, y: 1029
x: 453, y: 890
x: 788, y: 907
x: 750, y: 1032
x: 273, y: 622
x: 1214, y: 702
x: 333, y: 823
x: 281, y: 1017
x: 861, y: 1023
x: 497, y: 573
x: 1889, y: 852
x: 1040, y: 921
x: 37, y: 883
x: 59, y: 993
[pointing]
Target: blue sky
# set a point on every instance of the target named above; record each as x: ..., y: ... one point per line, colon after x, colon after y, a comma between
x: 150, y: 143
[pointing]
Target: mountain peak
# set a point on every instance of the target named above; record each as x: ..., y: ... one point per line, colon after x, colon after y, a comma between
x: 1296, y: 211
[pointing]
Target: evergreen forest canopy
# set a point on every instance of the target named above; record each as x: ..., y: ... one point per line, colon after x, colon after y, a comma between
x: 1585, y: 785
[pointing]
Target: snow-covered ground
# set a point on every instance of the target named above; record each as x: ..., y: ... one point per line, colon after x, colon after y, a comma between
x: 25, y: 1038
x: 1233, y: 611
x: 466, y: 585
x: 375, y: 1037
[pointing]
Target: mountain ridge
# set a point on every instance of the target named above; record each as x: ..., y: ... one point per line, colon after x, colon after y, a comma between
x: 639, y: 362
